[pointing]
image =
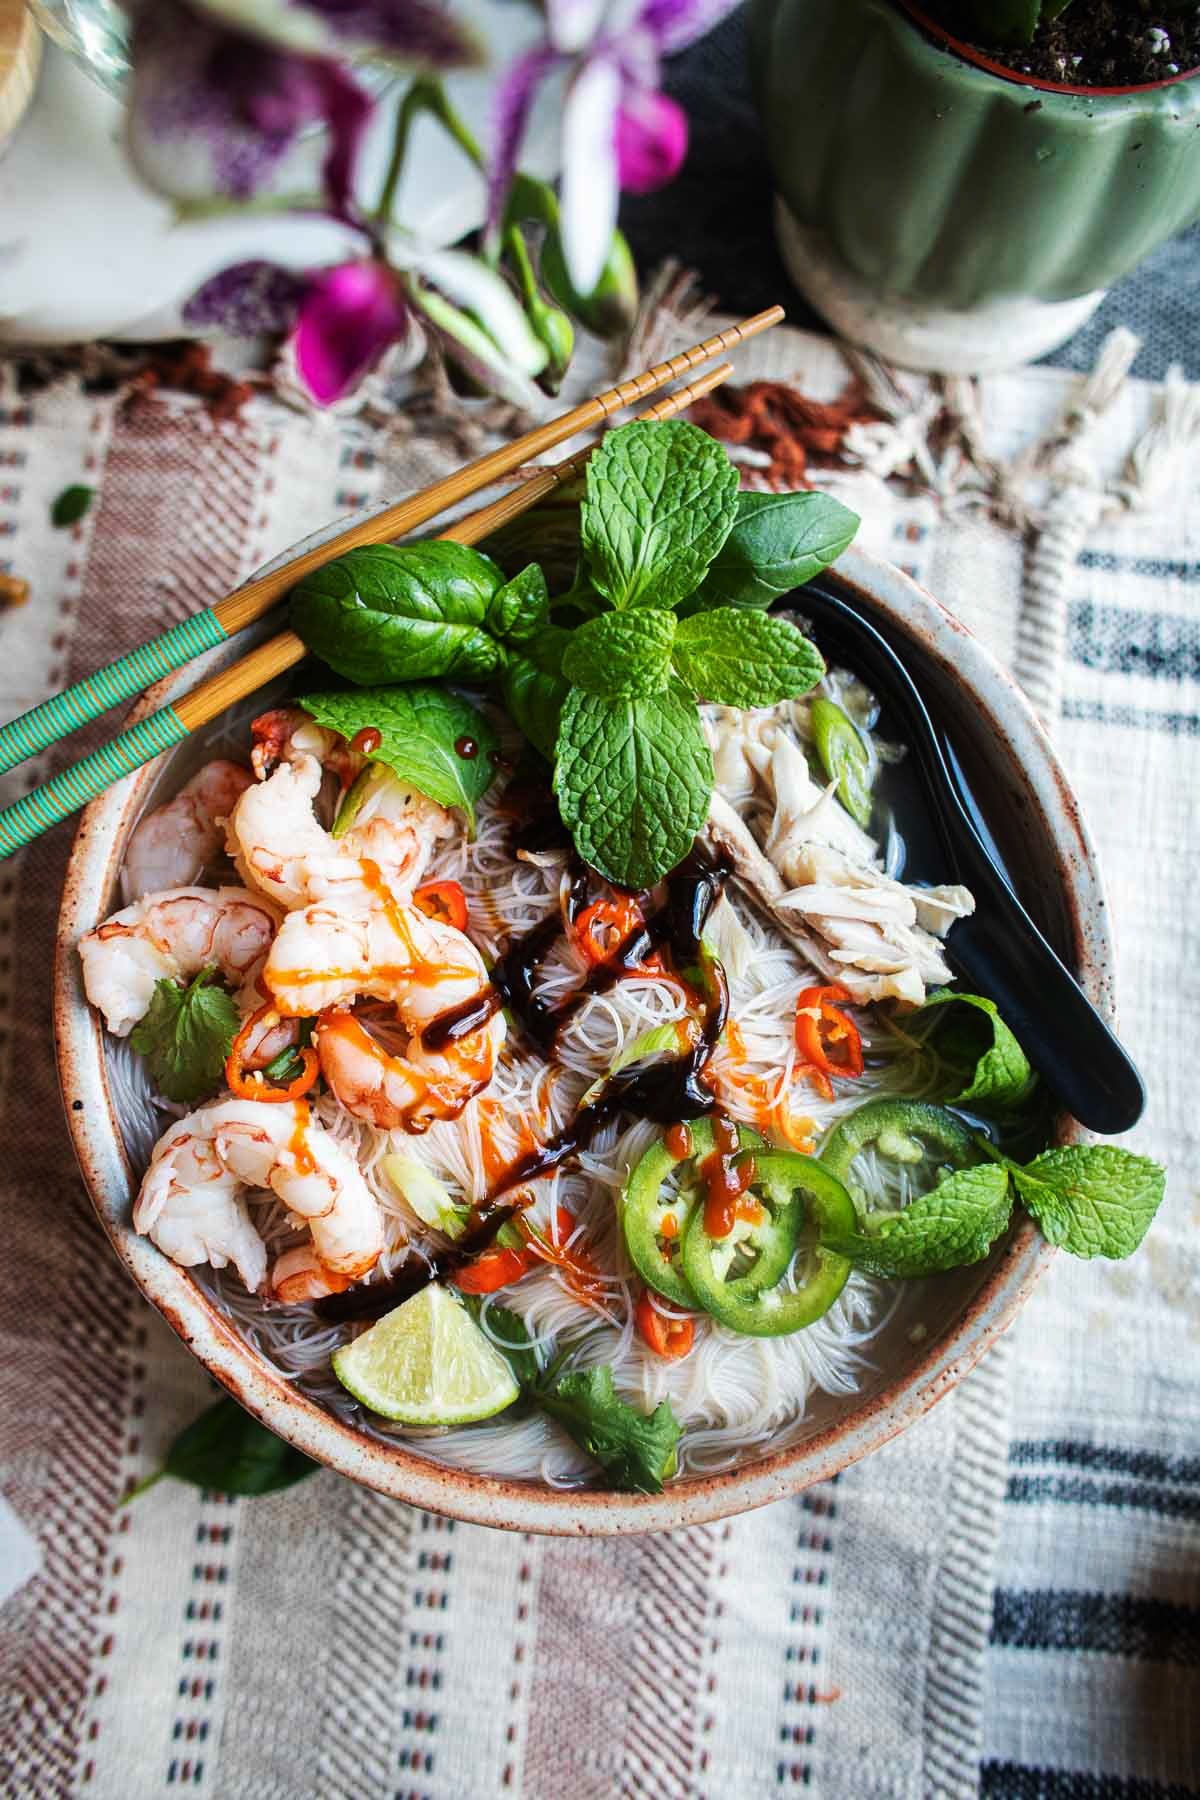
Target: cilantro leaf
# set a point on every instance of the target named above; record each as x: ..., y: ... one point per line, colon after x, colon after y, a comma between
x: 633, y: 778
x: 533, y: 689
x: 185, y: 1036
x: 1093, y: 1199
x: 659, y: 503
x: 981, y: 1048
x: 956, y: 1223
x: 520, y: 607
x: 742, y: 658
x: 622, y: 653
x: 419, y: 726
x: 778, y: 542
x: 637, y: 1451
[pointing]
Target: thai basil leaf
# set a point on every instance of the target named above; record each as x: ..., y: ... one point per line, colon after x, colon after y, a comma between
x: 227, y: 1449
x: 520, y: 607
x: 533, y: 689
x: 401, y: 613
x: 778, y: 542
x: 423, y: 730
x: 637, y: 1451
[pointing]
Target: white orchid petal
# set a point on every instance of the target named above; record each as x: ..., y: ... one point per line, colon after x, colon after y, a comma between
x: 471, y: 284
x: 589, y: 185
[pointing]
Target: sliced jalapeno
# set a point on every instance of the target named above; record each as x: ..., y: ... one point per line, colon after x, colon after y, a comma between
x: 904, y: 1131
x: 801, y: 1193
x: 844, y: 757
x: 646, y: 1209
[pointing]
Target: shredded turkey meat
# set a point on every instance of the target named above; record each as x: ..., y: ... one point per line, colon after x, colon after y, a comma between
x: 796, y: 849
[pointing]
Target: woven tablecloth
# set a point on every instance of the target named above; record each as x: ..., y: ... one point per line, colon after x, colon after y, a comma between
x: 1006, y: 1598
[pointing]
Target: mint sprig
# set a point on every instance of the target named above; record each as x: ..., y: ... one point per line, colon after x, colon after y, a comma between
x: 608, y: 691
x: 745, y: 658
x: 955, y: 1224
x: 621, y: 654
x: 1088, y: 1199
x: 633, y: 778
x: 660, y: 502
x: 1093, y: 1199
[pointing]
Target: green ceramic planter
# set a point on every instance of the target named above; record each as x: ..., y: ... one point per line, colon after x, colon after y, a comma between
x: 917, y: 186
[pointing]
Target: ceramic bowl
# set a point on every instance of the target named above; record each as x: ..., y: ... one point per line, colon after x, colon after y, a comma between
x: 1036, y: 822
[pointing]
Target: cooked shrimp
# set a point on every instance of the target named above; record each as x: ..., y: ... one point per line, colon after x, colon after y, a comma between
x: 300, y: 1275
x: 324, y: 959
x: 286, y: 733
x: 280, y: 846
x: 173, y: 844
x: 172, y: 936
x: 191, y: 1201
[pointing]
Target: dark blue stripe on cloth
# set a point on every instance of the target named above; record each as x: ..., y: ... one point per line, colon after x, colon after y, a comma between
x: 1111, y: 1624
x: 1067, y: 1490
x: 1013, y: 1781
x: 1110, y: 1459
x: 1159, y: 568
x: 1119, y: 640
x: 1136, y: 718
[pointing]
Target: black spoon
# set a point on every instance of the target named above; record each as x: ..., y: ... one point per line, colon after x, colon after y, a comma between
x: 999, y: 949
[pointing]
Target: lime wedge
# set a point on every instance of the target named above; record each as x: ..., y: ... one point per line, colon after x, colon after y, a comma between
x: 427, y: 1363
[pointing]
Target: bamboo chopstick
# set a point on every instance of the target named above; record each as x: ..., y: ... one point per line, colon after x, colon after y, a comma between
x: 75, y: 786
x: 130, y: 675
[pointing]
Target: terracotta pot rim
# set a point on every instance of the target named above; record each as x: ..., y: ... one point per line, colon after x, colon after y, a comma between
x: 969, y: 54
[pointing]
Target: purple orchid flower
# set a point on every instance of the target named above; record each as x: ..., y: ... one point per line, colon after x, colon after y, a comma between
x: 618, y: 129
x: 223, y: 89
x: 423, y: 33
x: 215, y: 115
x: 348, y: 317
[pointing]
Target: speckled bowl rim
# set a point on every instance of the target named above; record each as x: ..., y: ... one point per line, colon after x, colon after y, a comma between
x: 392, y: 1469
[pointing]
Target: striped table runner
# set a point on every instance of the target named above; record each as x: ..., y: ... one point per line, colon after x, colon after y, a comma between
x: 1004, y: 1600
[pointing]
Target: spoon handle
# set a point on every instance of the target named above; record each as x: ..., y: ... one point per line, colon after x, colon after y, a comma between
x: 999, y: 949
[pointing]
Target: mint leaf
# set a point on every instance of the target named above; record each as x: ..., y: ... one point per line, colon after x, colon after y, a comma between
x: 659, y: 503
x: 1093, y: 1199
x: 637, y: 1451
x: 744, y: 658
x: 185, y: 1036
x: 71, y: 505
x: 419, y: 727
x: 520, y: 607
x: 407, y: 612
x: 980, y: 1045
x: 633, y: 779
x: 956, y: 1223
x: 533, y: 689
x: 622, y: 653
x: 778, y: 542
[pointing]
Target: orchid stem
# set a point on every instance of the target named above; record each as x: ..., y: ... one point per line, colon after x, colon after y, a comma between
x: 425, y: 94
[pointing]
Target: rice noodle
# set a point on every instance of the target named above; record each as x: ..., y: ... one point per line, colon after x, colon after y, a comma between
x: 736, y: 1397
